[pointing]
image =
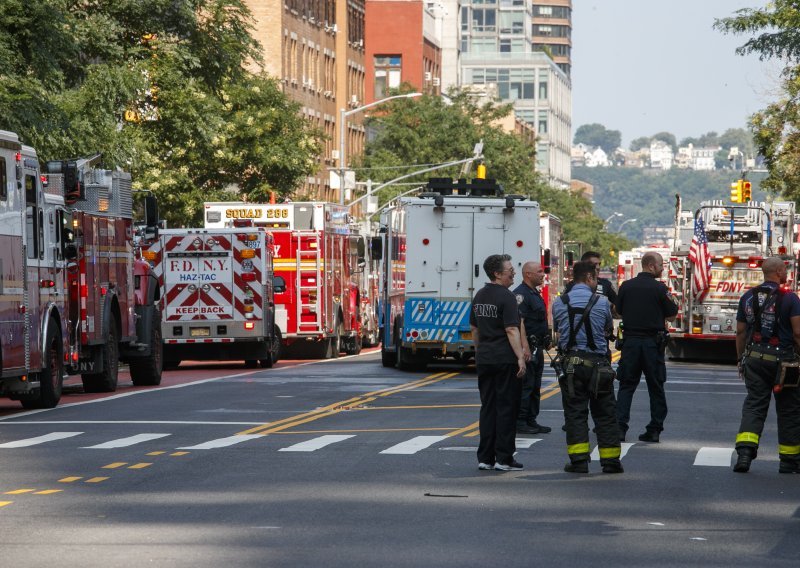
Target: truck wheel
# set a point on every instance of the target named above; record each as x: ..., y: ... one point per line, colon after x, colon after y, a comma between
x: 274, y: 350
x: 250, y: 363
x: 106, y: 381
x: 336, y: 342
x: 52, y: 375
x: 146, y: 372
x: 353, y: 345
x: 406, y: 361
x: 388, y: 359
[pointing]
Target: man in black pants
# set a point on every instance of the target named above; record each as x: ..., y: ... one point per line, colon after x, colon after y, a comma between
x: 767, y: 335
x: 645, y: 305
x: 495, y: 324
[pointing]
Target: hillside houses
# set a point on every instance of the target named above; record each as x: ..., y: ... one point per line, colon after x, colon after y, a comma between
x: 659, y: 156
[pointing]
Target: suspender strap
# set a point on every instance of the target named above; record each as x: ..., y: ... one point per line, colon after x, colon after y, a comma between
x: 585, y: 321
x: 774, y: 296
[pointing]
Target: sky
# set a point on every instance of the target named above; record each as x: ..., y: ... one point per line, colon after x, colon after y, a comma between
x: 647, y: 66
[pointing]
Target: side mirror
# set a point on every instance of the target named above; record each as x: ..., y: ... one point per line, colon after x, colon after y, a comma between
x: 376, y: 248
x: 150, y: 211
x: 546, y: 259
x: 278, y: 284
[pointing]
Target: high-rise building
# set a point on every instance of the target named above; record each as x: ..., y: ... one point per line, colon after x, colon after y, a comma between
x: 403, y: 46
x: 552, y: 30
x: 316, y: 49
x: 496, y: 46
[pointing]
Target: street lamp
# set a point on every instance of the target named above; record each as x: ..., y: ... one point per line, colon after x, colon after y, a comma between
x: 343, y: 114
x: 614, y: 214
x: 619, y: 230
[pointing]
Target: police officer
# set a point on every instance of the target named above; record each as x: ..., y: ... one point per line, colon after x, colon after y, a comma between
x: 604, y: 286
x: 533, y: 311
x: 645, y: 305
x: 767, y: 332
x: 582, y: 318
x: 500, y: 361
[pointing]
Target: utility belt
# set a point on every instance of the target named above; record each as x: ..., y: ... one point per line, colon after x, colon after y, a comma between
x: 535, y: 342
x: 787, y: 374
x: 601, y: 380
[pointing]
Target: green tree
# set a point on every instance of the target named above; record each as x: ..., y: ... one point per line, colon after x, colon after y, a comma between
x: 639, y: 143
x: 598, y: 135
x: 667, y: 138
x: 739, y: 138
x: 425, y: 130
x: 160, y: 88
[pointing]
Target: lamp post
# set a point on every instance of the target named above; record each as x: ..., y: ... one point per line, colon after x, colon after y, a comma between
x: 625, y: 222
x: 343, y: 114
x: 614, y: 214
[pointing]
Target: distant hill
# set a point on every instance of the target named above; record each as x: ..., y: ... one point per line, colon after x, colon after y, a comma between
x: 649, y: 195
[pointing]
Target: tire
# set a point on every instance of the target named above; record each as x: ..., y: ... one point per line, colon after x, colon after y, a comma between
x: 51, y: 376
x: 146, y: 372
x: 251, y: 363
x: 335, y: 343
x: 407, y: 361
x: 353, y: 345
x: 275, y: 349
x: 388, y: 359
x: 106, y: 381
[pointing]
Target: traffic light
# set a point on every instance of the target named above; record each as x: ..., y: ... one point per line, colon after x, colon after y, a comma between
x: 746, y: 192
x: 737, y: 191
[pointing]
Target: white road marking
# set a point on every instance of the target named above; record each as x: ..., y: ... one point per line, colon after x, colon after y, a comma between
x: 316, y: 443
x: 40, y: 439
x: 414, y: 445
x: 595, y: 455
x: 527, y: 442
x: 714, y: 457
x: 125, y: 442
x: 223, y: 442
x: 189, y: 422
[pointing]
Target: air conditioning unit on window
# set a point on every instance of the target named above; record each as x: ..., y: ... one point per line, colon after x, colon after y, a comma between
x: 354, y: 100
x: 427, y: 75
x: 436, y: 81
x: 328, y: 94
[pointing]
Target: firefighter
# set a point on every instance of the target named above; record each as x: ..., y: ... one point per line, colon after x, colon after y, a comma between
x: 533, y: 312
x: 582, y: 318
x: 767, y: 333
x: 645, y: 306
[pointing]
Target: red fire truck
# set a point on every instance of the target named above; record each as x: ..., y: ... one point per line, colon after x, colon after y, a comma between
x: 217, y: 295
x: 73, y: 296
x: 551, y: 237
x: 318, y: 255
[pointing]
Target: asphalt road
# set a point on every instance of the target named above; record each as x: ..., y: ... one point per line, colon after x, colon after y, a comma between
x: 345, y: 463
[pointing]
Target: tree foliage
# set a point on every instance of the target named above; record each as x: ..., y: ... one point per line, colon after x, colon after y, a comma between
x: 598, y: 135
x: 639, y: 143
x: 427, y: 130
x: 160, y: 88
x: 776, y: 34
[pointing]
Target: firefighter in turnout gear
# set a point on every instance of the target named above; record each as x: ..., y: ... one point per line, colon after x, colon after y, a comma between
x: 767, y: 333
x: 583, y: 319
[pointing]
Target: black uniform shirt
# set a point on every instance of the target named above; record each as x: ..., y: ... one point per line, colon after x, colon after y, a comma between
x: 532, y: 310
x: 789, y: 308
x: 494, y: 308
x: 604, y: 288
x: 644, y: 303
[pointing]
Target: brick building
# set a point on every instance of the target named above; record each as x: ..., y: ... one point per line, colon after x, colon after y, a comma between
x: 403, y: 46
x: 316, y: 49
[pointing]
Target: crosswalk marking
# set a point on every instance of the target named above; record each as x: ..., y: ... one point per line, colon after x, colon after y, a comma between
x: 714, y: 457
x: 223, y: 442
x: 125, y: 442
x: 527, y: 442
x: 414, y: 445
x: 315, y: 443
x: 40, y: 439
x: 595, y: 455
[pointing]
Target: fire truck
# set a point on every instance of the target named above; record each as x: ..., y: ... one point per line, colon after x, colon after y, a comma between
x: 74, y: 297
x: 739, y: 237
x: 319, y: 256
x: 433, y: 249
x: 552, y: 238
x: 217, y: 295
x: 368, y: 283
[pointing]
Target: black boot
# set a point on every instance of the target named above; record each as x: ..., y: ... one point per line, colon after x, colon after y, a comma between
x: 649, y: 436
x: 789, y: 466
x: 746, y: 456
x: 612, y: 466
x: 577, y: 467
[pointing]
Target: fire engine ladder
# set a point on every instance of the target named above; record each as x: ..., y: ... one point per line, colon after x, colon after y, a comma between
x: 681, y: 287
x: 309, y: 283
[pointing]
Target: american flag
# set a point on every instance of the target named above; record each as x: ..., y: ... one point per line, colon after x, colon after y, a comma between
x: 701, y: 261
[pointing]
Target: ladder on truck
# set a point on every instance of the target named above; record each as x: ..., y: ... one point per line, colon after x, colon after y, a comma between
x: 680, y: 286
x: 308, y: 282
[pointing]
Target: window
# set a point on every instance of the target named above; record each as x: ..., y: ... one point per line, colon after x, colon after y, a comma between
x: 484, y: 45
x: 30, y: 190
x: 388, y: 73
x: 543, y: 88
x: 539, y: 30
x: 3, y: 180
x: 544, y: 10
x: 542, y: 127
x: 31, y: 231
x: 512, y: 22
x: 484, y: 20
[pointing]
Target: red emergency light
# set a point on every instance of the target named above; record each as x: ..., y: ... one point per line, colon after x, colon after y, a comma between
x: 248, y: 276
x: 47, y: 284
x: 249, y: 325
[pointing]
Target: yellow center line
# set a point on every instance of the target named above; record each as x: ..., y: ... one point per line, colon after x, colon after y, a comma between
x: 4, y: 503
x: 69, y: 479
x: 48, y: 491
x: 140, y: 465
x: 158, y: 453
x: 464, y: 429
x: 95, y: 479
x: 179, y: 453
x: 19, y: 491
x: 421, y: 406
x: 336, y: 431
x: 472, y: 429
x: 337, y: 407
x: 114, y: 465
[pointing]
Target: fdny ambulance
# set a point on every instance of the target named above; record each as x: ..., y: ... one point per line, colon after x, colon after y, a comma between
x: 433, y: 249
x: 318, y: 255
x: 217, y: 295
x: 74, y: 297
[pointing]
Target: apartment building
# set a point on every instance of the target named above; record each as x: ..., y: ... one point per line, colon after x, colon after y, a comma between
x: 552, y: 31
x: 316, y: 49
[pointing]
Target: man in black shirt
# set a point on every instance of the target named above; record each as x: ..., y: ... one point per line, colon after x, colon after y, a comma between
x: 604, y: 286
x: 533, y: 311
x: 494, y: 321
x: 645, y: 305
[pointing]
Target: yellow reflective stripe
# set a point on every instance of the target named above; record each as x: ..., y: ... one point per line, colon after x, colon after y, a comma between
x: 582, y: 448
x: 613, y: 452
x: 747, y: 437
x: 788, y: 450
